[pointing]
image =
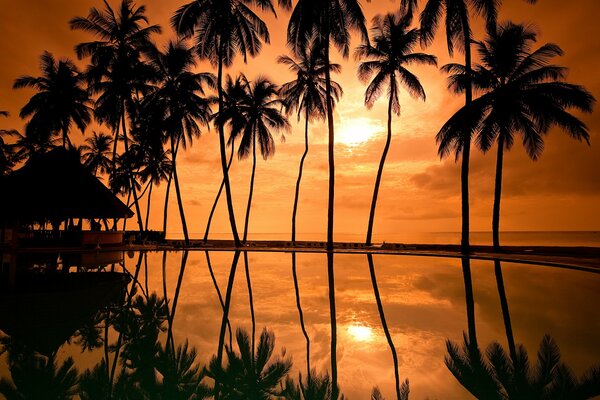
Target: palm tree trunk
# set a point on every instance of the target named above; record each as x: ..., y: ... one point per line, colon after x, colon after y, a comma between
x: 498, y: 193
x: 466, y: 152
x: 251, y: 301
x: 386, y: 330
x: 216, y: 285
x: 178, y: 195
x: 300, y: 177
x: 381, y: 164
x: 131, y: 178
x: 251, y: 191
x: 214, y: 206
x: 234, y: 231
x: 148, y: 206
x: 166, y: 208
x: 128, y: 206
x: 170, y: 339
x: 225, y: 318
x: 301, y: 315
x: 505, y: 311
x: 331, y: 139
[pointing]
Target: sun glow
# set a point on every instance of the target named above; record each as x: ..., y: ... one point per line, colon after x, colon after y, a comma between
x: 355, y: 131
x: 360, y: 333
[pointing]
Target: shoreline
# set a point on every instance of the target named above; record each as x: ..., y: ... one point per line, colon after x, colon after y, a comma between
x: 575, y: 257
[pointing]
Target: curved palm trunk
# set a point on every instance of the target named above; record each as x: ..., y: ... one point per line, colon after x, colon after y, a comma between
x: 225, y: 318
x: 380, y: 170
x: 234, y: 231
x: 386, y: 330
x: 166, y: 208
x: 170, y: 339
x: 251, y: 191
x: 466, y: 153
x: 214, y: 206
x: 251, y: 302
x: 301, y: 315
x: 295, y: 210
x: 498, y: 193
x: 148, y: 205
x: 131, y: 178
x: 505, y: 311
x: 216, y: 285
x: 178, y: 194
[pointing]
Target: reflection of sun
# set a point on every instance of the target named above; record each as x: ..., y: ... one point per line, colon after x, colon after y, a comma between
x: 355, y: 131
x: 360, y: 333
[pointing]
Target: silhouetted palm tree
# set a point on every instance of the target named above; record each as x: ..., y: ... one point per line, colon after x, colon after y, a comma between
x: 458, y: 33
x: 387, y: 58
x: 179, y: 100
x: 523, y: 93
x: 327, y: 22
x: 224, y: 28
x: 96, y: 153
x: 307, y: 95
x: 60, y: 101
x: 316, y: 387
x: 117, y: 73
x: 180, y: 375
x: 250, y: 377
x: 8, y: 151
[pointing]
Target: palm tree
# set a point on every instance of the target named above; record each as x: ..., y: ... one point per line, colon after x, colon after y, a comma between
x: 117, y: 73
x: 327, y: 22
x: 393, y: 43
x: 8, y: 151
x: 179, y: 100
x: 224, y: 28
x: 96, y: 153
x: 307, y: 96
x: 250, y: 377
x: 316, y: 387
x: 60, y: 101
x: 523, y: 93
x: 458, y: 33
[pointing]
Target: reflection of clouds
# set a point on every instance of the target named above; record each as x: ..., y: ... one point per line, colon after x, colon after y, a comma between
x: 423, y: 300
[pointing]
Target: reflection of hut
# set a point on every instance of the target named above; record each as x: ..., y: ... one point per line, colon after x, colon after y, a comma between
x: 55, y: 187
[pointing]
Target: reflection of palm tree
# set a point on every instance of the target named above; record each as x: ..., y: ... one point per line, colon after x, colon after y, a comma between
x: 216, y: 285
x: 301, y: 314
x: 392, y: 50
x: 223, y: 28
x: 59, y: 102
x: 307, y: 95
x: 179, y: 100
x: 180, y: 375
x: 96, y: 152
x: 505, y: 311
x: 326, y: 22
x: 500, y: 377
x: 522, y: 93
x: 36, y: 377
x: 458, y: 33
x: 401, y: 389
x: 248, y: 377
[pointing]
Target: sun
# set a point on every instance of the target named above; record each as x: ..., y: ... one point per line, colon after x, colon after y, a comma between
x: 356, y: 131
x: 360, y: 333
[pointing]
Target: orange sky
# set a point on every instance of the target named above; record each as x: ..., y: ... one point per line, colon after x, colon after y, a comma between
x: 419, y: 192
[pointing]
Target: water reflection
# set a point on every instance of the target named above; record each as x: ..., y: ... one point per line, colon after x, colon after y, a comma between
x: 168, y: 333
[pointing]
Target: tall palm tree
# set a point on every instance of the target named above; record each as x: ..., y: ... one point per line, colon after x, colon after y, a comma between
x: 327, y: 22
x: 117, y: 73
x: 523, y: 93
x: 224, y: 28
x: 387, y: 58
x: 458, y: 34
x: 60, y: 101
x: 307, y: 95
x: 180, y: 102
x: 96, y: 153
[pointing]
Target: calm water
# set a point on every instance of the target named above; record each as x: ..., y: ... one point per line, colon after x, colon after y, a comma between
x: 521, y: 238
x: 423, y: 300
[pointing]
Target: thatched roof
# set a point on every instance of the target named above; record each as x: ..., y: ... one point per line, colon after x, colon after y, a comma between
x: 55, y: 185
